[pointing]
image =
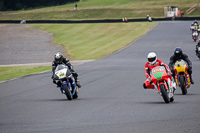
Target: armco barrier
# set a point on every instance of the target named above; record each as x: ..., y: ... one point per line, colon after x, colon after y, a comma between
x: 99, y: 21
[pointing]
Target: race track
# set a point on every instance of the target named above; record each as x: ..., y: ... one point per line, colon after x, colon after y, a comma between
x: 112, y: 99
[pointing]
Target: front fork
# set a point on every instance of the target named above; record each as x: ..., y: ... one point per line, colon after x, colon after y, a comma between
x: 72, y: 86
x: 170, y: 86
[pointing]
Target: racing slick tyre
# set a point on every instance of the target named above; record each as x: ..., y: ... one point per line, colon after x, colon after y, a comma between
x: 67, y: 92
x: 183, y: 86
x: 164, y: 93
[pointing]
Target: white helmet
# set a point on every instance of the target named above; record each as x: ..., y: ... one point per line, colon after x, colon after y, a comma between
x: 152, y: 57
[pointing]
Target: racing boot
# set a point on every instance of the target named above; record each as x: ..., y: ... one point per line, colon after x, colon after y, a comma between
x: 78, y: 83
x: 192, y: 82
x: 147, y: 85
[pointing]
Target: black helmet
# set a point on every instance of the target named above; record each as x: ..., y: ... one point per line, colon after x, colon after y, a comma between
x: 58, y: 58
x: 178, y: 52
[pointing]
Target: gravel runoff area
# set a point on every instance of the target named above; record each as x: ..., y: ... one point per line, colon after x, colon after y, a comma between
x: 20, y: 44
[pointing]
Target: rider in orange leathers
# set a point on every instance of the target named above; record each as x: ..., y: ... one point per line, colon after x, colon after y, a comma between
x: 151, y: 63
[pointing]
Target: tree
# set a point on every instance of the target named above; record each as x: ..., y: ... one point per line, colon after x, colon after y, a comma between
x: 1, y: 4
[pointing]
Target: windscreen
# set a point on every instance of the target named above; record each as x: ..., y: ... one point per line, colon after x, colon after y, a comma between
x: 158, y: 68
x: 59, y: 67
x: 180, y: 62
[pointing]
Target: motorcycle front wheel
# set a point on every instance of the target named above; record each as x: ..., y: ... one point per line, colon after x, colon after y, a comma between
x: 67, y: 92
x: 164, y: 93
x: 183, y: 86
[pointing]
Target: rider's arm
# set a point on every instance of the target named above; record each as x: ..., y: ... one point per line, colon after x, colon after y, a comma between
x: 53, y: 68
x: 171, y: 62
x: 187, y: 60
x: 163, y: 64
x: 146, y: 71
x: 65, y: 61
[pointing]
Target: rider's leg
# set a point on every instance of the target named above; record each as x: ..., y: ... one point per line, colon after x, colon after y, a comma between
x: 75, y: 75
x: 190, y: 73
x: 147, y: 85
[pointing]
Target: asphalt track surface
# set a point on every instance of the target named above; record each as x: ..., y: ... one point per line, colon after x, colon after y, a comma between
x: 112, y: 98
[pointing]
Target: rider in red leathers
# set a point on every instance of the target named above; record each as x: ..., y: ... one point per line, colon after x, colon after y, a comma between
x: 151, y: 63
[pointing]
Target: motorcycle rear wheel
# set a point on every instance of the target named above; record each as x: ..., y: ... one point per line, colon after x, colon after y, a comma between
x: 164, y: 93
x: 183, y: 86
x: 67, y: 92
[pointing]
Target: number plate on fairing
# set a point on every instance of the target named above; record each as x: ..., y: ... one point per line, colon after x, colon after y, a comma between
x: 61, y: 73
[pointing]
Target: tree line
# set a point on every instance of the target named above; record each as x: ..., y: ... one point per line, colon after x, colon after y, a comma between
x: 27, y: 4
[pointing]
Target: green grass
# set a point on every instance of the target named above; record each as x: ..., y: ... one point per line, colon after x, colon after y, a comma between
x: 14, y: 72
x: 94, y: 41
x: 84, y: 41
x: 102, y: 9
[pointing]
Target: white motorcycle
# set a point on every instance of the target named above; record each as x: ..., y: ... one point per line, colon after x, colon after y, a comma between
x: 195, y: 36
x: 64, y: 77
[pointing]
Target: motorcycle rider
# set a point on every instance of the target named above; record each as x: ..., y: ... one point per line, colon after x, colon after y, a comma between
x: 192, y: 27
x: 178, y: 54
x: 59, y: 59
x: 196, y: 22
x: 150, y: 64
x: 149, y: 18
x: 196, y: 27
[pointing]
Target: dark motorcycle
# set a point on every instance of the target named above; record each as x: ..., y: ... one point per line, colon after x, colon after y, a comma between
x: 198, y: 52
x: 64, y: 77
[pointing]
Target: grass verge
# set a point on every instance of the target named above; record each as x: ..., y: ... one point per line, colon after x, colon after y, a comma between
x: 83, y: 42
x: 94, y: 41
x: 14, y: 72
x: 103, y: 9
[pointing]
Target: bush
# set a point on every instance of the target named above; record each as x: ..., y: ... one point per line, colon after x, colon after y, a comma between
x: 25, y: 4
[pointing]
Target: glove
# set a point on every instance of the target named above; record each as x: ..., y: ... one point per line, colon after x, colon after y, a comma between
x: 168, y: 73
x: 75, y: 74
x: 150, y: 80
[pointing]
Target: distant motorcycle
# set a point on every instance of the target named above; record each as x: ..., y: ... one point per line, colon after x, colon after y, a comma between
x: 162, y: 83
x: 192, y: 28
x: 149, y: 18
x: 68, y: 86
x: 195, y: 36
x: 182, y: 77
x: 198, y: 52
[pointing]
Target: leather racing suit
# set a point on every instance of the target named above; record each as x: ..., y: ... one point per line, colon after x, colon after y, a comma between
x: 148, y: 67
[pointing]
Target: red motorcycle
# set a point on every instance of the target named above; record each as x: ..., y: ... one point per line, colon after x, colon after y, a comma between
x: 162, y: 83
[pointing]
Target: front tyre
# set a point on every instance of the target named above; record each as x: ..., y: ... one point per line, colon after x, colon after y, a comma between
x: 182, y: 85
x: 67, y: 92
x: 164, y: 93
